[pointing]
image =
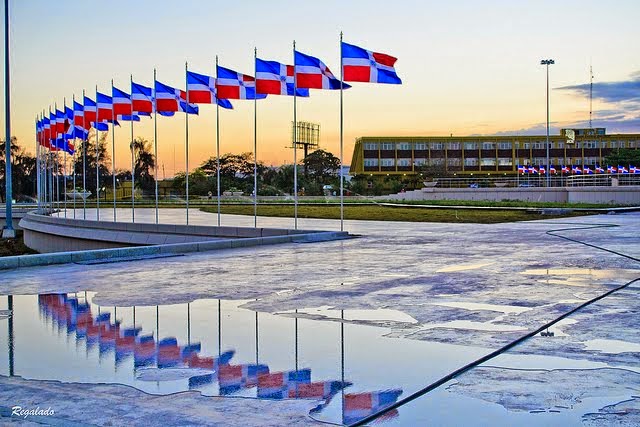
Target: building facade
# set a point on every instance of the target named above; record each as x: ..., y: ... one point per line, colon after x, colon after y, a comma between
x: 484, y: 154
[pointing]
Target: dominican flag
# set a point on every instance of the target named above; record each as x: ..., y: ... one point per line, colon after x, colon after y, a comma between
x: 552, y: 170
x: 60, y: 125
x: 90, y: 112
x: 233, y: 85
x: 565, y: 169
x: 274, y: 78
x: 312, y: 73
x: 587, y: 170
x: 105, y: 107
x: 576, y: 170
x: 622, y: 169
x: 78, y: 114
x: 633, y: 169
x: 360, y: 405
x: 599, y: 169
x: 144, y: 352
x: 533, y: 170
x: 612, y: 169
x: 201, y: 89
x: 46, y: 132
x: 121, y: 101
x: 542, y: 170
x: 169, y: 99
x: 141, y: 98
x: 361, y: 65
x: 522, y: 169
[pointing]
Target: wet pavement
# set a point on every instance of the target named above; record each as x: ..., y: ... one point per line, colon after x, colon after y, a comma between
x: 334, y: 331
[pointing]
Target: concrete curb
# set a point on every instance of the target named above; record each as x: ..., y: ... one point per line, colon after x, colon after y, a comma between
x: 13, y: 262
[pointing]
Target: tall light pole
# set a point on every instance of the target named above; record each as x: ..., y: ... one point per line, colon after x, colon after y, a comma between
x: 547, y: 62
x: 8, y: 231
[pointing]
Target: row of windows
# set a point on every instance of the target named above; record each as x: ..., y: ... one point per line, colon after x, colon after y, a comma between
x: 472, y: 161
x: 501, y: 145
x: 559, y: 161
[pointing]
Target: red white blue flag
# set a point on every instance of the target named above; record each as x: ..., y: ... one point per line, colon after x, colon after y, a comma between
x: 121, y: 101
x: 201, y: 89
x: 361, y: 65
x: 141, y: 99
x: 312, y: 73
x: 233, y: 85
x: 90, y: 112
x: 105, y: 107
x: 169, y: 100
x: 274, y: 78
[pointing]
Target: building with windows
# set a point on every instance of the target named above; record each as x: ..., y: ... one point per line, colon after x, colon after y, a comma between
x: 484, y: 154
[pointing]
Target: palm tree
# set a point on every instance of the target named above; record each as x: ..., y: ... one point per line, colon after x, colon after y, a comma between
x: 145, y: 164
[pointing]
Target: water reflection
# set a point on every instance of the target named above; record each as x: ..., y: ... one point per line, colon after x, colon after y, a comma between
x: 112, y: 340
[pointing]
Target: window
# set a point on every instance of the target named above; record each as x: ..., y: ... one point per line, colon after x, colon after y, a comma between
x: 404, y: 162
x: 505, y: 161
x: 420, y: 162
x: 387, y: 162
x: 371, y: 146
x: 488, y: 146
x: 471, y: 161
x: 437, y: 146
x: 560, y: 144
x: 387, y: 146
x: 590, y: 144
x: 453, y: 145
x: 436, y: 162
x: 421, y: 146
x: 622, y: 144
x: 538, y: 161
x: 370, y: 162
x: 404, y: 146
x: 470, y: 145
x: 487, y: 162
x: 538, y: 145
x: 526, y: 145
x: 505, y: 146
x: 453, y: 162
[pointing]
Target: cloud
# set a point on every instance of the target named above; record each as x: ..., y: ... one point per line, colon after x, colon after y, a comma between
x: 614, y: 92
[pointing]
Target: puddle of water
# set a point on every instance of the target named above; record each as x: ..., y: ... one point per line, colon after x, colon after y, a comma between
x: 479, y: 306
x: 612, y: 346
x: 587, y: 273
x: 474, y: 326
x: 463, y: 267
x: 378, y: 315
x: 220, y: 349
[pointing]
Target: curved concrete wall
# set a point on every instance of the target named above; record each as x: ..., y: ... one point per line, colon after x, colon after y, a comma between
x: 52, y: 234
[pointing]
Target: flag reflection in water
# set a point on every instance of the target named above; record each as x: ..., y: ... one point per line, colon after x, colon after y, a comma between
x: 73, y: 316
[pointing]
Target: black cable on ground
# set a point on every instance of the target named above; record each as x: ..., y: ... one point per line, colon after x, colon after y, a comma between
x: 512, y: 344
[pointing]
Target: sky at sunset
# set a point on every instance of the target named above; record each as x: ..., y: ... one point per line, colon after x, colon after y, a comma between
x: 467, y: 67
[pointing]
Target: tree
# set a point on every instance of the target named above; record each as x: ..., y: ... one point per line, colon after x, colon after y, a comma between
x: 321, y: 165
x: 623, y: 157
x: 23, y: 171
x: 199, y: 183
x: 145, y: 164
x: 236, y: 171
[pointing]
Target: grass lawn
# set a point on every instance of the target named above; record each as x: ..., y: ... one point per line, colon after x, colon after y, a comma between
x: 385, y: 213
x: 11, y: 247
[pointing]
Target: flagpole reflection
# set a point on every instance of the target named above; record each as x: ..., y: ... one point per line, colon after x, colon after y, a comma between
x: 11, y: 338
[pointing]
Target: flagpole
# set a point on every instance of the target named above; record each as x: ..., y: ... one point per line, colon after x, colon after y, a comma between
x: 84, y: 161
x: 57, y: 181
x: 73, y: 107
x: 64, y: 167
x: 155, y: 139
x: 113, y: 152
x: 186, y: 138
x: 133, y: 166
x: 38, y: 136
x: 341, y: 139
x: 295, y: 138
x: 97, y: 159
x: 255, y: 143
x: 217, y: 144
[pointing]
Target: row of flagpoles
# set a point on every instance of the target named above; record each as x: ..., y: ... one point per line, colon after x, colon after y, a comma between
x: 57, y: 130
x: 578, y: 170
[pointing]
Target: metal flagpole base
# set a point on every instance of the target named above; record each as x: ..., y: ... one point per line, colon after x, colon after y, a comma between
x: 8, y: 233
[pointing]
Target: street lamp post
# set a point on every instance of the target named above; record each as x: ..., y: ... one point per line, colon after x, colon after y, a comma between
x: 8, y: 231
x: 547, y: 62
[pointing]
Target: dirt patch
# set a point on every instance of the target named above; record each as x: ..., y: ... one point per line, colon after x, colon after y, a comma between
x: 11, y: 247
